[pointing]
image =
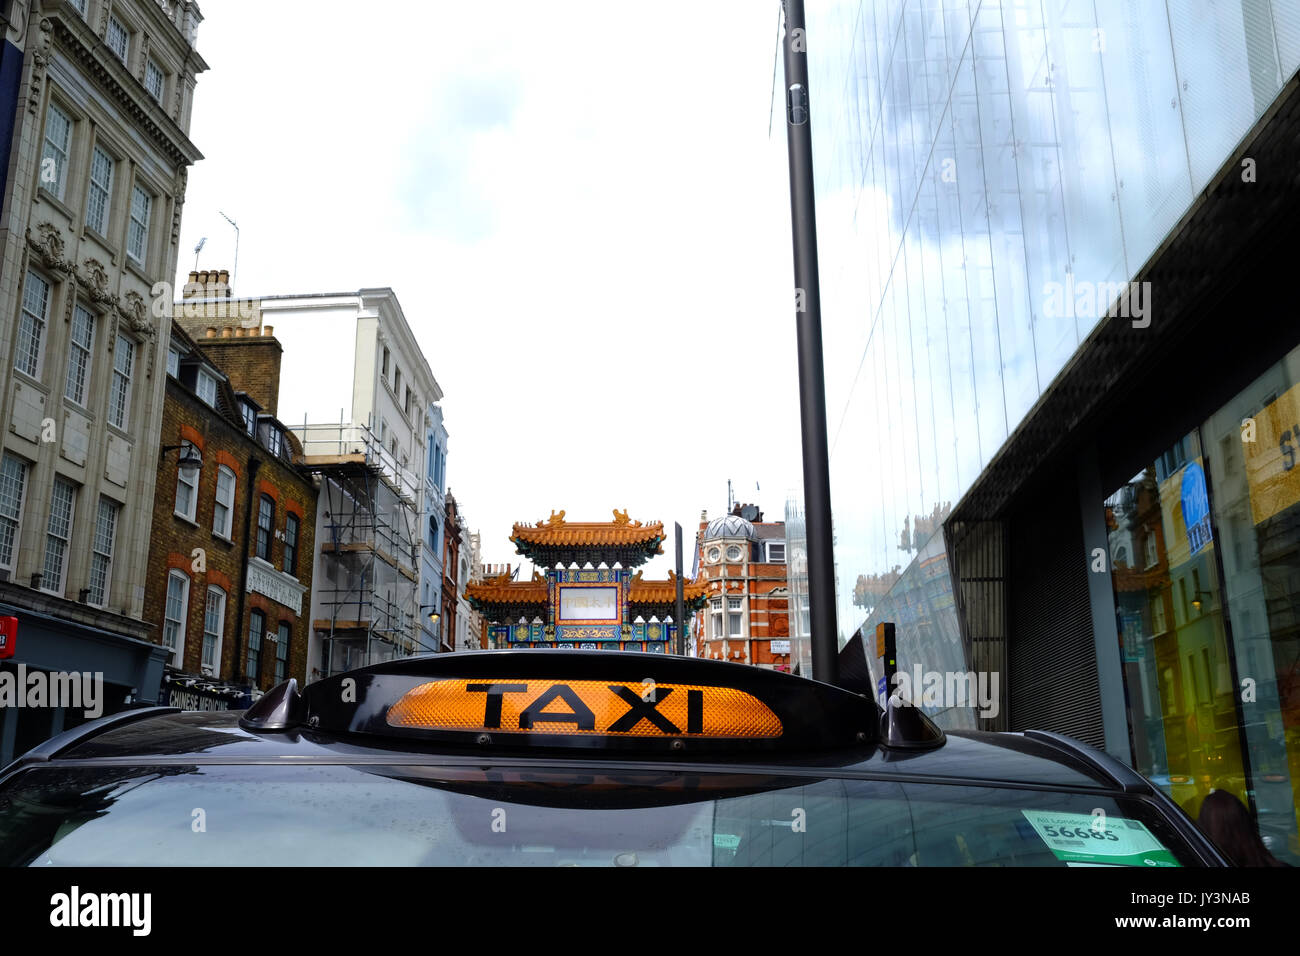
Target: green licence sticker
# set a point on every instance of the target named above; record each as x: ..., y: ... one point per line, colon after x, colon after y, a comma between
x: 1082, y: 838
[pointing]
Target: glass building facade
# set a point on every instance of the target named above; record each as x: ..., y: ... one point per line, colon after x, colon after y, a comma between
x: 990, y: 176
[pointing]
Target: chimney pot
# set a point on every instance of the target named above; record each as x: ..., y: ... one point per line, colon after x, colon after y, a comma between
x: 225, y: 276
x: 268, y: 330
x: 212, y: 332
x: 227, y: 332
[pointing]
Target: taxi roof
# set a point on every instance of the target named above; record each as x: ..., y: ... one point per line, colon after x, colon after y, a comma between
x: 165, y: 735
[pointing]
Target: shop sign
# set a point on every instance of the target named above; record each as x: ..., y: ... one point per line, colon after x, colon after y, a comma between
x: 8, y: 636
x: 280, y: 588
x: 195, y: 696
x: 1196, y: 507
x: 1273, y: 458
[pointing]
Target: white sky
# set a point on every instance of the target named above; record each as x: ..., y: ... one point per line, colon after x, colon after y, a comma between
x: 579, y: 208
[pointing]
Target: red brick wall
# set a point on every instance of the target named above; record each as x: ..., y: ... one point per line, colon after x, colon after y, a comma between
x: 252, y: 363
x: 175, y: 539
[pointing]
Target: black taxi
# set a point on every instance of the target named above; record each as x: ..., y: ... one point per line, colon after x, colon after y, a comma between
x: 576, y: 758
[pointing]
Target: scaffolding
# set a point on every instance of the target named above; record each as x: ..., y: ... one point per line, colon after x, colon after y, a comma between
x: 366, y: 590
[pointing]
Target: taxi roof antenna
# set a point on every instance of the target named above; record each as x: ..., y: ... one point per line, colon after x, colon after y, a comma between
x: 812, y: 376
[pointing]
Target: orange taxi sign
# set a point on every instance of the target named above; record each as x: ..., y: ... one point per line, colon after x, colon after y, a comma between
x: 584, y: 707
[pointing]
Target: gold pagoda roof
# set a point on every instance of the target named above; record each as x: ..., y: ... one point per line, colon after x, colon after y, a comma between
x: 622, y: 540
x: 502, y: 592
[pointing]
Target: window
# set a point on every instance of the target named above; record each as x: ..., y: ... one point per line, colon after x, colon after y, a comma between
x: 13, y: 479
x: 733, y: 553
x: 256, y: 625
x: 153, y: 80
x: 715, y: 614
x: 31, y: 325
x: 118, y: 38
x: 80, y: 5
x: 407, y: 402
x: 734, y: 617
x: 274, y: 441
x: 206, y: 387
x: 776, y: 552
x: 397, y: 381
x: 1152, y: 557
x: 175, y: 615
x: 385, y: 364
x: 101, y: 188
x: 82, y: 335
x: 137, y: 236
x: 282, y: 652
x: 433, y: 532
x: 187, y: 487
x: 101, y: 557
x: 291, y: 544
x: 214, y: 625
x: 57, y: 532
x: 223, y: 510
x: 119, y: 394
x: 174, y: 363
x: 250, y: 417
x: 265, y: 524
x: 54, y: 158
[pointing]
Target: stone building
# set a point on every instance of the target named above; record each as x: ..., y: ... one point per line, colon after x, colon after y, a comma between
x: 94, y: 183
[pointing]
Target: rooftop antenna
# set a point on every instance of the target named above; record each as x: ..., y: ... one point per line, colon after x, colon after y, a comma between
x: 197, y: 250
x: 235, y: 271
x: 729, y: 498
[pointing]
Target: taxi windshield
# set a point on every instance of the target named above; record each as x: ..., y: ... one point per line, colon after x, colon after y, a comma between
x: 258, y: 815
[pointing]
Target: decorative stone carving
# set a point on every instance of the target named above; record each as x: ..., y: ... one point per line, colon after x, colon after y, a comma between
x: 40, y: 60
x: 97, y: 282
x: 182, y: 179
x: 48, y: 244
x: 136, y: 312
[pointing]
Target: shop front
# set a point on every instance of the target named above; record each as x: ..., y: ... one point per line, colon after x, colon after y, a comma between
x: 1204, y: 548
x: 68, y: 664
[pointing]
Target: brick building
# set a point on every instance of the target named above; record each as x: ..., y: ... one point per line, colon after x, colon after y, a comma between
x: 742, y: 558
x: 452, y: 583
x: 231, y: 564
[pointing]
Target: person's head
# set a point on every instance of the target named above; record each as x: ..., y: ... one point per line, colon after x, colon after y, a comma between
x: 1226, y: 821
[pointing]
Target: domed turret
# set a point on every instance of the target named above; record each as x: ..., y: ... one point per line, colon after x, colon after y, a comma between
x: 729, y: 526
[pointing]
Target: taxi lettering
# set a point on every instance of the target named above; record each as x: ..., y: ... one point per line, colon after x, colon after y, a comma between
x: 576, y: 713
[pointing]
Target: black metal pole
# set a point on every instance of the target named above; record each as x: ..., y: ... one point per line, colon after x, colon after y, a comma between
x: 679, y: 612
x: 812, y: 382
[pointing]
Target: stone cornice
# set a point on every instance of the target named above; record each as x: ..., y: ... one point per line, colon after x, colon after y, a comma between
x: 112, y: 77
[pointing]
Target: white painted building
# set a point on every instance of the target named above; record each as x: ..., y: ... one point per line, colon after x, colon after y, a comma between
x: 356, y: 389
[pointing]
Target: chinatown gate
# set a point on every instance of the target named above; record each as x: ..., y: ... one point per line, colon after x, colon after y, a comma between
x: 590, y: 596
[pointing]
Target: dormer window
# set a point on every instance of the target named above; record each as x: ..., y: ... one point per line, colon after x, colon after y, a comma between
x: 206, y: 387
x: 250, y: 417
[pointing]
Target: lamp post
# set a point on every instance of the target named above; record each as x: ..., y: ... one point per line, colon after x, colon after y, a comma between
x: 434, y: 618
x: 190, y: 460
x: 812, y: 378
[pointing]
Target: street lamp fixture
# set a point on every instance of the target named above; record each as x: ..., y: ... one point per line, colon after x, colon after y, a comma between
x: 190, y: 460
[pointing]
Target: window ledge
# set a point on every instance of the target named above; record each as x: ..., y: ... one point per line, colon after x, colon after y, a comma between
x: 59, y: 204
x: 186, y: 518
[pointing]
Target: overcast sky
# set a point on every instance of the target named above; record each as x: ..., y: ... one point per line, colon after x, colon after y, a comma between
x: 579, y: 207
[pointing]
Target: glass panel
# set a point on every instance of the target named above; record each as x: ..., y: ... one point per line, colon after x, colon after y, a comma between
x: 1184, y: 715
x: 1253, y: 447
